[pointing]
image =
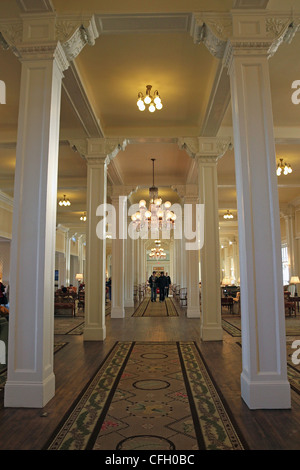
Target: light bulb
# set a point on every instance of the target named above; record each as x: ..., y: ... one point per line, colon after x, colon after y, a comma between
x: 157, y: 100
x: 133, y: 217
x: 148, y: 215
x: 278, y: 171
x: 152, y: 108
x: 142, y: 203
x: 167, y: 204
x: 141, y: 105
x: 157, y: 201
x: 147, y: 99
x: 138, y: 215
x: 159, y: 105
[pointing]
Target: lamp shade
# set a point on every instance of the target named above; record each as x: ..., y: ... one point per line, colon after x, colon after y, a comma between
x: 79, y: 276
x: 226, y: 281
x: 295, y: 280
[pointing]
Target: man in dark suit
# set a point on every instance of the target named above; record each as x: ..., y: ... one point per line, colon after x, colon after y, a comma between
x: 162, y: 282
x: 168, y: 280
x: 153, y: 286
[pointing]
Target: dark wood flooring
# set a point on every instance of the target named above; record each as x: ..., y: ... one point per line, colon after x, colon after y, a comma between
x: 75, y: 364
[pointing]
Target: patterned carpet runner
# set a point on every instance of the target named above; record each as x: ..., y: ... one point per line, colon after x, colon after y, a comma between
x: 149, y: 396
x: 156, y: 309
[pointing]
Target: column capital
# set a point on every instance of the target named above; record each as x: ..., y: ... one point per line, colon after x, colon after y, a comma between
x: 98, y: 150
x: 244, y: 31
x: 186, y: 191
x: 32, y: 35
x: 205, y: 149
x: 121, y: 190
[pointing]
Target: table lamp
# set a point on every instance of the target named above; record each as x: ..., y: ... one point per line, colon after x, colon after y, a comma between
x: 295, y: 280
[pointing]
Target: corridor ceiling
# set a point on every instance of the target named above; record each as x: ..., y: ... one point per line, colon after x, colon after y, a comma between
x: 141, y: 43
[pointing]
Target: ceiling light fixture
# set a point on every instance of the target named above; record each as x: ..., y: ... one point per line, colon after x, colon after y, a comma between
x: 83, y: 217
x: 228, y: 215
x: 157, y: 253
x: 64, y: 202
x: 158, y: 216
x: 283, y: 168
x: 153, y: 102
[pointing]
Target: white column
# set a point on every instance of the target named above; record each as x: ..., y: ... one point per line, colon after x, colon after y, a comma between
x: 118, y: 257
x: 30, y: 378
x: 290, y: 230
x: 264, y: 381
x: 95, y: 329
x: 192, y: 257
x: 236, y: 261
x: 211, y: 325
x: 129, y: 272
x: 68, y: 260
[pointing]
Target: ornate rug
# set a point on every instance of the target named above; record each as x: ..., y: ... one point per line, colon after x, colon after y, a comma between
x: 149, y: 396
x: 68, y: 326
x: 156, y: 309
x: 232, y: 324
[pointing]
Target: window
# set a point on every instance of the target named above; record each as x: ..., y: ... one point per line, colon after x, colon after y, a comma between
x: 285, y: 265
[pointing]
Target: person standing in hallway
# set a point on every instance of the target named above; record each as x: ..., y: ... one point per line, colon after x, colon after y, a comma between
x: 168, y: 281
x: 153, y: 286
x: 162, y: 283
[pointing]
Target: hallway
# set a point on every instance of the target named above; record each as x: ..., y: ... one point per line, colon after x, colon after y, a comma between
x: 77, y: 362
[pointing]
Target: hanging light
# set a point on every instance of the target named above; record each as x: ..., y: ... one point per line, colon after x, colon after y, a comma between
x: 228, y: 215
x: 158, y: 216
x: 83, y: 217
x: 283, y: 168
x: 157, y: 253
x: 152, y: 102
x: 64, y: 202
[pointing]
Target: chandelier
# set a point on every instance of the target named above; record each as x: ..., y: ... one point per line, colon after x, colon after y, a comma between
x: 64, y: 202
x: 283, y: 168
x: 83, y: 217
x: 228, y: 215
x: 157, y: 252
x: 158, y: 216
x: 153, y: 102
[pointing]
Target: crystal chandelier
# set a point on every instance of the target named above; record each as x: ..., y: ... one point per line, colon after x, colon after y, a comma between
x: 64, y: 202
x: 228, y: 215
x: 158, y: 216
x: 283, y: 168
x: 157, y: 252
x: 153, y: 102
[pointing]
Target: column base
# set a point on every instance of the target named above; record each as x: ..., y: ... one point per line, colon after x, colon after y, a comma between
x: 94, y: 334
x: 117, y: 312
x: 211, y: 333
x: 28, y: 394
x: 266, y: 394
x: 193, y: 312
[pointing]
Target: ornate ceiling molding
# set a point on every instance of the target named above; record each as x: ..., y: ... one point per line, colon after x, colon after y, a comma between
x: 92, y: 149
x: 36, y: 33
x: 243, y: 31
x: 209, y: 148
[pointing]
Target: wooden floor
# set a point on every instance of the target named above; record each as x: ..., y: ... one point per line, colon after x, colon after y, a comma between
x: 75, y: 364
